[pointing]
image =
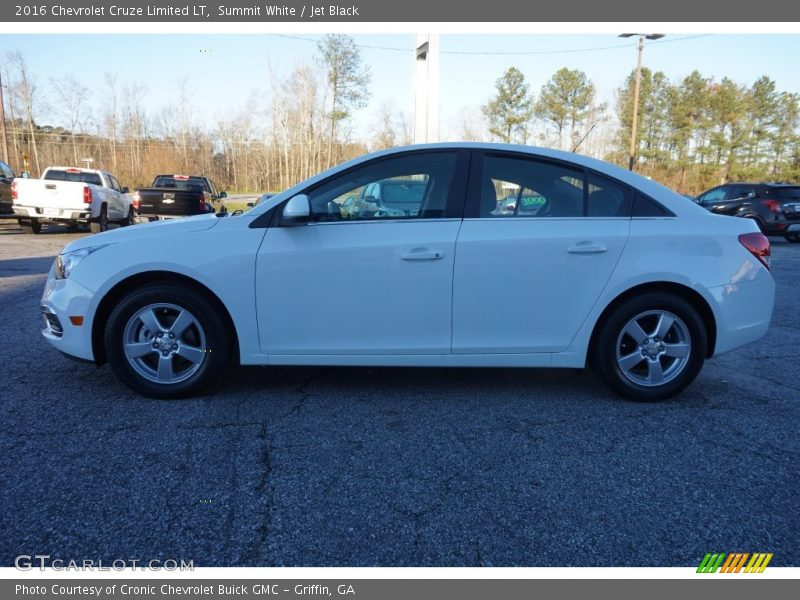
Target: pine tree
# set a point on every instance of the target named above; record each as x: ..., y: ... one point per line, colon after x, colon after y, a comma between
x: 510, y: 111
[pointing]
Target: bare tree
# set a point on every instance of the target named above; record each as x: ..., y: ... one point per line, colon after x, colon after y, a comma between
x: 26, y: 89
x: 71, y: 95
x: 110, y: 118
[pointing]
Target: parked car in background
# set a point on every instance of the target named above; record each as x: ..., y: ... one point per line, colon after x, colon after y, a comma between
x: 775, y: 207
x: 6, y: 177
x: 71, y: 196
x: 173, y: 196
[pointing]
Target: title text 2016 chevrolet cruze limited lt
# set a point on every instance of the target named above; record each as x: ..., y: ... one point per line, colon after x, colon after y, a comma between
x: 591, y: 264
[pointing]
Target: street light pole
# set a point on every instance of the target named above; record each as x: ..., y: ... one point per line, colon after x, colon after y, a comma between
x: 637, y: 85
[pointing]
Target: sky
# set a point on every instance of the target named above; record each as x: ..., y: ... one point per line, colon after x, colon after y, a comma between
x: 224, y: 70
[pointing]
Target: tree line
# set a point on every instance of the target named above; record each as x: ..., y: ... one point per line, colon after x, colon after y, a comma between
x: 691, y: 134
x: 303, y: 127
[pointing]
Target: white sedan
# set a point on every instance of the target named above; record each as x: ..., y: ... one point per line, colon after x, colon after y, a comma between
x: 594, y: 265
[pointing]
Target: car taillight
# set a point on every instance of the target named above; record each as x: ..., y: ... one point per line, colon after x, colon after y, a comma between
x: 14, y: 195
x: 87, y: 194
x: 758, y: 245
x: 136, y: 200
x: 772, y: 205
x: 202, y: 203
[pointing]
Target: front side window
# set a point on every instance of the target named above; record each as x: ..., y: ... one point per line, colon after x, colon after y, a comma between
x: 405, y: 187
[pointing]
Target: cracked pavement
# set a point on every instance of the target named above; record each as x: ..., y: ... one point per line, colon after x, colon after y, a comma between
x: 371, y: 466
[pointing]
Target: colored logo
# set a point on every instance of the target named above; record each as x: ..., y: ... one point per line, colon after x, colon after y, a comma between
x: 735, y: 562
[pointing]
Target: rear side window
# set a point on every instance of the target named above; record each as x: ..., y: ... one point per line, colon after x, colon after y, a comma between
x: 75, y: 176
x: 646, y: 207
x: 785, y: 193
x: 608, y: 198
x: 521, y: 187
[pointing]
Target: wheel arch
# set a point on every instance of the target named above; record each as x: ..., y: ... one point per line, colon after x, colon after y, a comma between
x: 106, y: 305
x: 691, y: 296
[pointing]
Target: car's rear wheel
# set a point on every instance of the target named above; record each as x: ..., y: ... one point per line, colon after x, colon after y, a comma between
x: 166, y: 341
x: 793, y: 238
x: 101, y: 222
x: 32, y: 226
x: 650, y: 347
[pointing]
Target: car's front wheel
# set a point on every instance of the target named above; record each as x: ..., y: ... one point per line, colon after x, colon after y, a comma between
x: 166, y: 341
x: 650, y: 347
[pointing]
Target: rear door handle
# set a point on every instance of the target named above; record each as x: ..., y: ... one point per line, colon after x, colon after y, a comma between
x: 587, y: 248
x: 422, y: 254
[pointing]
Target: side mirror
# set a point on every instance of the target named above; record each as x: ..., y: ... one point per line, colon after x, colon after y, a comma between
x: 126, y: 190
x: 223, y: 194
x: 296, y: 211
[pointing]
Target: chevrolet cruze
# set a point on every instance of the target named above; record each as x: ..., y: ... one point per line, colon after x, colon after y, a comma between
x: 605, y: 269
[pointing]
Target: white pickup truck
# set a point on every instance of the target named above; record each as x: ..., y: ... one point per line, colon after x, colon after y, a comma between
x: 72, y: 196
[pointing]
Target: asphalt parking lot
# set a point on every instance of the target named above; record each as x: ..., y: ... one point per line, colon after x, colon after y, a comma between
x: 348, y: 466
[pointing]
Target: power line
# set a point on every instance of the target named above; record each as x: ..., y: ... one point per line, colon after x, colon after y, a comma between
x: 509, y: 52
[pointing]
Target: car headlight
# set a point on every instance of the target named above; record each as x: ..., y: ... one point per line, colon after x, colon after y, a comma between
x: 67, y: 261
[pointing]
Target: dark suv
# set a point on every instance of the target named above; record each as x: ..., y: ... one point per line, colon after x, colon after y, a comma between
x: 774, y: 206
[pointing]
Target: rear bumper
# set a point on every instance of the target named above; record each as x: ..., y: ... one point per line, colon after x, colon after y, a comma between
x: 743, y: 310
x: 52, y: 214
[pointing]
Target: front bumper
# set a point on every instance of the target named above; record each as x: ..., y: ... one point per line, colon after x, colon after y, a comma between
x: 62, y: 299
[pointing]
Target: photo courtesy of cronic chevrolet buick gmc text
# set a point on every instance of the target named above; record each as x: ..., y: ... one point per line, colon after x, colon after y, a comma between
x: 601, y: 267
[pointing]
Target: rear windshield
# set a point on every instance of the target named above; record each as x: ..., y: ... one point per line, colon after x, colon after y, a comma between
x: 168, y: 181
x: 80, y: 176
x: 786, y: 193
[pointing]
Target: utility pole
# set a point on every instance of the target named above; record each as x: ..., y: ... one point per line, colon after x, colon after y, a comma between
x: 634, y: 120
x: 3, y: 122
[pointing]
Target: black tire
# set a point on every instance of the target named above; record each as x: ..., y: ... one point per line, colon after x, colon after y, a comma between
x: 140, y: 374
x: 612, y: 344
x: 129, y: 220
x: 794, y: 239
x: 30, y: 226
x: 100, y: 223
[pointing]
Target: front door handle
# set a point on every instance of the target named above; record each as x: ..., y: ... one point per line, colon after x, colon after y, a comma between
x: 587, y: 248
x: 422, y: 254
